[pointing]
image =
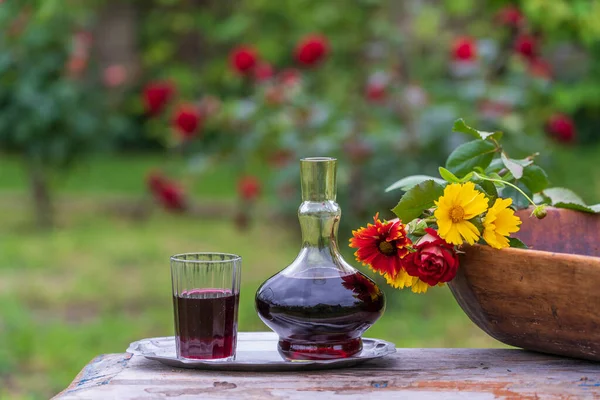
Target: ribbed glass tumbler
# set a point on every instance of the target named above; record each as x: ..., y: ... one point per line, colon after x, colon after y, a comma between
x: 206, y: 290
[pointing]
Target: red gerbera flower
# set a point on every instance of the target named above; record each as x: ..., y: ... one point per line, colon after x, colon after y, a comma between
x: 243, y: 59
x: 311, y: 50
x: 381, y: 246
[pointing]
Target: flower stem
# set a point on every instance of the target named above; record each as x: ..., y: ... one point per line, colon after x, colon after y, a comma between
x: 485, y: 178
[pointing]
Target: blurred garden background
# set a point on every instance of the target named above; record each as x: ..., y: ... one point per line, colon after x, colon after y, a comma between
x: 134, y: 130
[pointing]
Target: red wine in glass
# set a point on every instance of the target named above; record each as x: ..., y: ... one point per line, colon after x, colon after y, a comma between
x: 320, y: 315
x: 205, y: 323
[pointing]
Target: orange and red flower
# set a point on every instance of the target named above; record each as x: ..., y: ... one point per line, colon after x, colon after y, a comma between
x: 364, y: 288
x: 381, y: 246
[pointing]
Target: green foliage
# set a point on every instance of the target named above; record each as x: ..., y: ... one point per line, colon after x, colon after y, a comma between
x: 461, y: 127
x: 48, y: 115
x: 417, y: 199
x: 502, y: 176
x: 410, y: 181
x: 565, y: 198
x: 471, y: 155
x: 516, y: 243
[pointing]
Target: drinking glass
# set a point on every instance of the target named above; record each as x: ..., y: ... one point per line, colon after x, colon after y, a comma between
x: 206, y: 293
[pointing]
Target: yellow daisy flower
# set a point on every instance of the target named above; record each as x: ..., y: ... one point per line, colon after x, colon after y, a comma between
x: 459, y: 203
x: 400, y: 281
x: 499, y: 222
x: 419, y: 286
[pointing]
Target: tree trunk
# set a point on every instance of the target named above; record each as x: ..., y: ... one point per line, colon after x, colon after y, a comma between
x: 40, y: 192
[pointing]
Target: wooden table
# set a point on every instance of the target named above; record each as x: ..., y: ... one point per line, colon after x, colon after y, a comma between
x: 410, y: 373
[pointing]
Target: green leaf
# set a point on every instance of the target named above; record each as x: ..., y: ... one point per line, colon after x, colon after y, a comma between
x: 516, y: 243
x: 495, y: 166
x: 418, y: 199
x: 515, y: 168
x: 562, y: 195
x: 478, y: 153
x: 595, y: 209
x: 478, y: 222
x: 535, y: 178
x: 524, y: 162
x: 462, y: 127
x: 410, y: 181
x: 448, y: 176
x: 467, y: 177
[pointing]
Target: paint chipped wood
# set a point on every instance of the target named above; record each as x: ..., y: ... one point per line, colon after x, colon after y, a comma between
x: 410, y: 373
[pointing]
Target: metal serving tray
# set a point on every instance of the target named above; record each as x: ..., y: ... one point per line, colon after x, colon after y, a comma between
x: 256, y: 351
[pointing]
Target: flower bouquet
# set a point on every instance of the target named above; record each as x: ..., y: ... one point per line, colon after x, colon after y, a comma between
x: 451, y: 229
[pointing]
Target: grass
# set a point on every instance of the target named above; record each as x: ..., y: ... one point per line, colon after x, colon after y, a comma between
x: 102, y: 280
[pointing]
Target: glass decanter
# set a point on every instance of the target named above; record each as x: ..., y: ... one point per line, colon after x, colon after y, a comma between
x: 319, y: 305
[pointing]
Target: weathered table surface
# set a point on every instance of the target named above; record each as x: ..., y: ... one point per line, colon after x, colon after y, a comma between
x: 410, y: 373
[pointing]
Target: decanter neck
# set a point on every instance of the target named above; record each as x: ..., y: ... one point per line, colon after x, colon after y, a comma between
x: 318, y: 176
x: 319, y: 214
x: 319, y: 223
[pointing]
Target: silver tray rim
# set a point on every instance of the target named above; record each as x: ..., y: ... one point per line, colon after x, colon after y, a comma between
x: 380, y: 349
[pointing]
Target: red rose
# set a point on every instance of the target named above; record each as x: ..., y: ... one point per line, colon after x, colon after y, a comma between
x: 375, y: 92
x: 243, y: 59
x: 263, y: 72
x: 114, y: 75
x: 76, y: 66
x: 274, y: 95
x: 171, y: 197
x: 526, y: 45
x: 155, y: 181
x: 311, y: 50
x: 510, y: 16
x: 156, y: 96
x: 249, y: 188
x: 540, y: 68
x: 434, y: 261
x: 280, y: 158
x: 167, y: 193
x: 187, y: 120
x: 289, y: 77
x: 464, y: 49
x: 562, y: 128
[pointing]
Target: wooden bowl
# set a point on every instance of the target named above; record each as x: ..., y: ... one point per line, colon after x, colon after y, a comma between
x: 545, y: 300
